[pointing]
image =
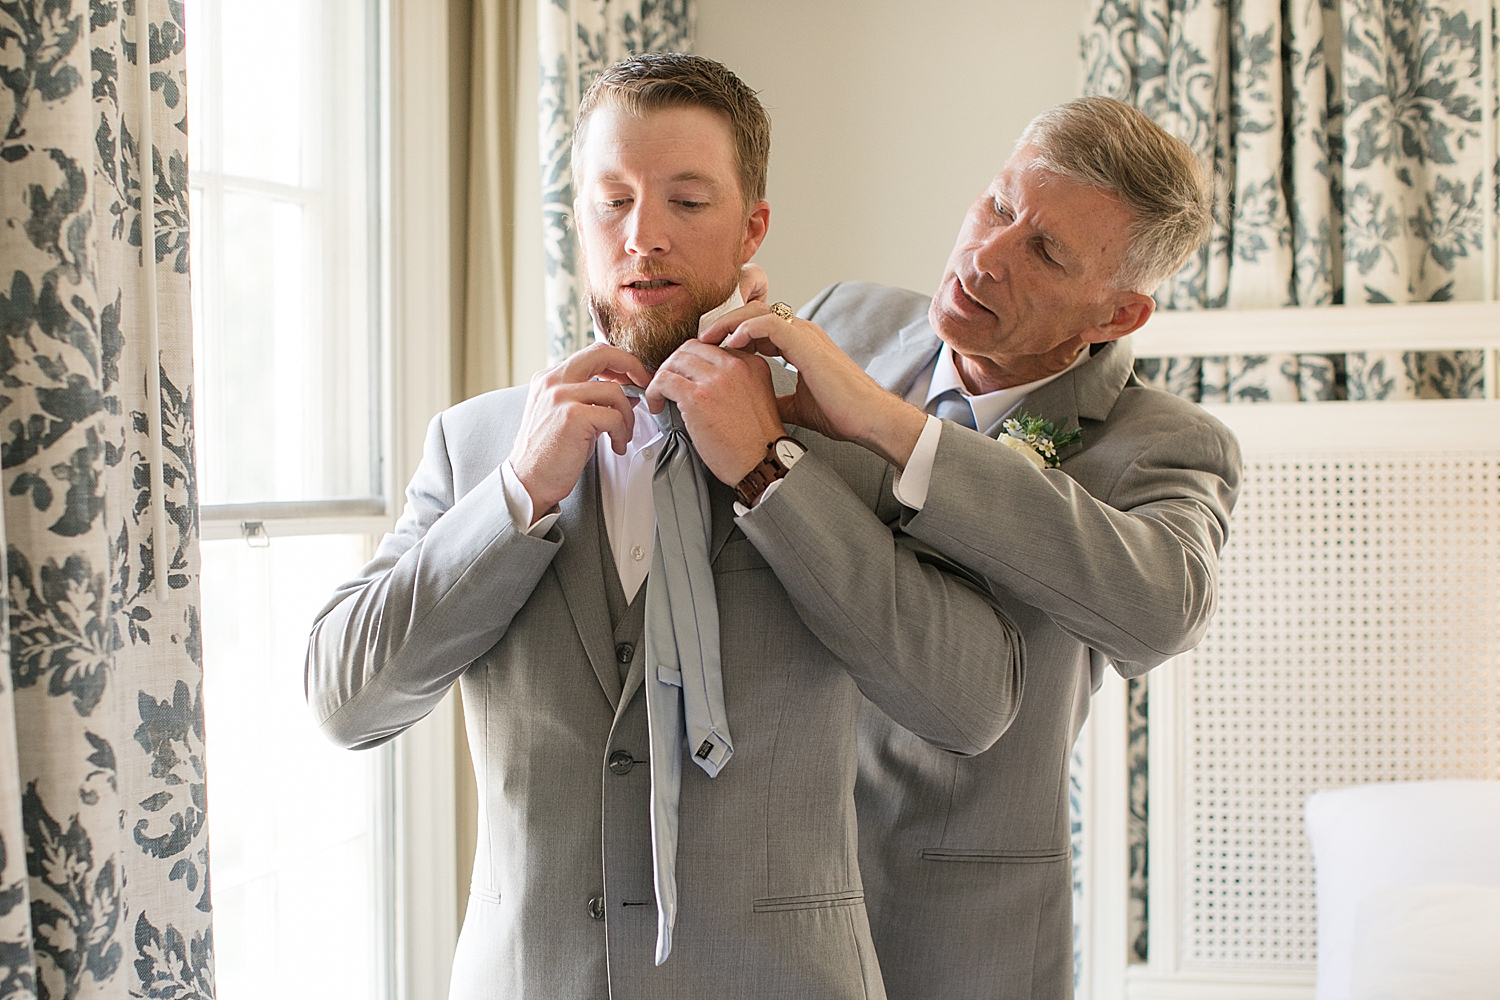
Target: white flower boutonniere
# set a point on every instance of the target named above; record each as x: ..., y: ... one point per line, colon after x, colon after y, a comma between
x: 1037, y: 439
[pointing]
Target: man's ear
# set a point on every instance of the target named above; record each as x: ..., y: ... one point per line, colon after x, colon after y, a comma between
x: 757, y: 223
x: 1131, y: 310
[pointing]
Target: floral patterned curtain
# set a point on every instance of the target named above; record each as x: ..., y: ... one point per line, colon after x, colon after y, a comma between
x: 1353, y: 151
x: 104, y: 888
x: 577, y: 40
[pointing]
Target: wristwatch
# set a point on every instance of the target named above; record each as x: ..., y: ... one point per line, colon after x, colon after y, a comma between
x: 781, y: 455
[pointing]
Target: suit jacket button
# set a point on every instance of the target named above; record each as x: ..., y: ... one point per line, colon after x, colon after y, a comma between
x: 624, y: 652
x: 596, y: 907
x: 621, y: 762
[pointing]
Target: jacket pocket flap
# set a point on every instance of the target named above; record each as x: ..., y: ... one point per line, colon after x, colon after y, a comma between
x: 486, y: 895
x: 996, y: 857
x: 813, y: 902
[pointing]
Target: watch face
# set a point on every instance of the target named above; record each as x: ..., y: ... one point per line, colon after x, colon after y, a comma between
x: 787, y: 452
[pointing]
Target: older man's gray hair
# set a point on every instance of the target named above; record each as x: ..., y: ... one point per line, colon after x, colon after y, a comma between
x: 1112, y: 146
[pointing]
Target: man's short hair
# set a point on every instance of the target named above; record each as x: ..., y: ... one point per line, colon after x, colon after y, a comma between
x: 646, y: 83
x: 1114, y: 147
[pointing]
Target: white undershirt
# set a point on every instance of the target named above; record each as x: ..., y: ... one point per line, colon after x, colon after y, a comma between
x: 624, y: 487
x: 989, y: 409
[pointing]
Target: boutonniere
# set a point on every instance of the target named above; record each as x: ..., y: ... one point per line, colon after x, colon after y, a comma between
x: 1037, y: 439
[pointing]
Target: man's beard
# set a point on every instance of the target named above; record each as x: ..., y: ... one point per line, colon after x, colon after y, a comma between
x: 652, y: 333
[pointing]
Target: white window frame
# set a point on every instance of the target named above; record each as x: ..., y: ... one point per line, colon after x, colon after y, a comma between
x: 415, y: 384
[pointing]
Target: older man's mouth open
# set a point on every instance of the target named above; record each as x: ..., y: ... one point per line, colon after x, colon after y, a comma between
x: 961, y: 302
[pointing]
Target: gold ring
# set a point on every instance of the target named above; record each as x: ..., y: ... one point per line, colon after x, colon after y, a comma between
x: 783, y: 310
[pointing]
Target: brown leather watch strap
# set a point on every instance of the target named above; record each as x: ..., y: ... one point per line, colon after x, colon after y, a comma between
x: 764, y: 474
x: 757, y: 479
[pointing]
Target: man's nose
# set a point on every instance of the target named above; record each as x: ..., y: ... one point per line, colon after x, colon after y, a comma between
x: 997, y: 247
x: 646, y: 230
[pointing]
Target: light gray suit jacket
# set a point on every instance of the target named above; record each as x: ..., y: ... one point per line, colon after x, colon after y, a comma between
x: 1111, y: 558
x: 821, y: 598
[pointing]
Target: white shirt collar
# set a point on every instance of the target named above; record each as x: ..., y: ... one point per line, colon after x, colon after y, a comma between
x: 989, y: 407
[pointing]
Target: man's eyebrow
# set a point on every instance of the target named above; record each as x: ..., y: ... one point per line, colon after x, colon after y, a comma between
x: 693, y: 175
x: 1001, y: 190
x: 686, y: 175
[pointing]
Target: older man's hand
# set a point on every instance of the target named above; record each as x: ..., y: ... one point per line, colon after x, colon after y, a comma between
x: 727, y: 404
x: 754, y: 285
x: 834, y: 396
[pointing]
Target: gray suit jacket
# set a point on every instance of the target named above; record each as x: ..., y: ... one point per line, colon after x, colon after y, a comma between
x: 821, y: 599
x: 1111, y: 558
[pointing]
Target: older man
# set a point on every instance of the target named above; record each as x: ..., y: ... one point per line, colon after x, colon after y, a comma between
x: 661, y: 677
x: 1029, y: 452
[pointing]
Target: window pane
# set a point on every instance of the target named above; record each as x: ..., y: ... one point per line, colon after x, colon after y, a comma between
x: 261, y: 398
x: 268, y: 90
x: 294, y: 822
x: 283, y: 248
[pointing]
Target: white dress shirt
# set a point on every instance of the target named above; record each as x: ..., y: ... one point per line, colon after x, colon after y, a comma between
x: 989, y: 409
x: 624, y: 487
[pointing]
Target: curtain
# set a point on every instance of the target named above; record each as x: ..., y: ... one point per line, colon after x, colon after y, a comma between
x: 104, y: 887
x: 485, y: 353
x: 577, y: 40
x: 1353, y: 152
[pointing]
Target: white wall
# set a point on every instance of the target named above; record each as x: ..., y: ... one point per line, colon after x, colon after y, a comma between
x: 888, y: 119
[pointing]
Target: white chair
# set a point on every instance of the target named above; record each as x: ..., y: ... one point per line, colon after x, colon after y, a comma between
x: 1397, y: 865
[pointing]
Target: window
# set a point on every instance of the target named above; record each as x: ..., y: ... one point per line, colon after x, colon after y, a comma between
x: 283, y: 160
x: 284, y: 151
x: 299, y: 841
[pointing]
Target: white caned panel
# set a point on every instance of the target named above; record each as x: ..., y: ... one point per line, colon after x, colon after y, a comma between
x: 1357, y: 640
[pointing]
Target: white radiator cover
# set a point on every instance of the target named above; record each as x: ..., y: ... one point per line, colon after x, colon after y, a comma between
x: 1357, y: 640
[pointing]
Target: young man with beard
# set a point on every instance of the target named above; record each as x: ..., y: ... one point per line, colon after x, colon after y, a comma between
x: 618, y: 858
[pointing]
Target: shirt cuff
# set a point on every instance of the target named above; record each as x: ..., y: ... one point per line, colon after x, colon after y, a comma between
x: 740, y: 510
x: 519, y: 503
x: 910, y: 485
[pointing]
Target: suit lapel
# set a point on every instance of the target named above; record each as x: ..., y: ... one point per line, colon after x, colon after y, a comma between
x: 897, y: 369
x: 1087, y: 393
x: 721, y: 508
x: 578, y: 572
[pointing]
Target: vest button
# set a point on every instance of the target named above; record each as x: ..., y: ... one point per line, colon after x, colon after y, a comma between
x: 621, y: 762
x: 596, y: 907
x: 624, y: 652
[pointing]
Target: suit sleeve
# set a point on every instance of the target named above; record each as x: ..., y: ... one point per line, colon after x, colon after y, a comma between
x: 922, y: 639
x: 1132, y: 574
x: 442, y: 589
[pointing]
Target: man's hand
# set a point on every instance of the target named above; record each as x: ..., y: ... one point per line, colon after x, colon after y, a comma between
x: 568, y: 407
x: 834, y: 397
x: 727, y: 403
x: 754, y: 285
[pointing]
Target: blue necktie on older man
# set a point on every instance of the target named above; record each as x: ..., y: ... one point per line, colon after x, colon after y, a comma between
x: 954, y: 405
x: 682, y: 654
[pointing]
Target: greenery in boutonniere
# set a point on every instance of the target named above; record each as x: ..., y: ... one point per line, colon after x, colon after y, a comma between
x: 1037, y: 439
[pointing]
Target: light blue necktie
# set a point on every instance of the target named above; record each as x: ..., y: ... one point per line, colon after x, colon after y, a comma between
x: 682, y: 654
x: 954, y: 405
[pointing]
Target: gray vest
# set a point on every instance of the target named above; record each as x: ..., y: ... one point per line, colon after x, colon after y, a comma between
x: 629, y: 897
